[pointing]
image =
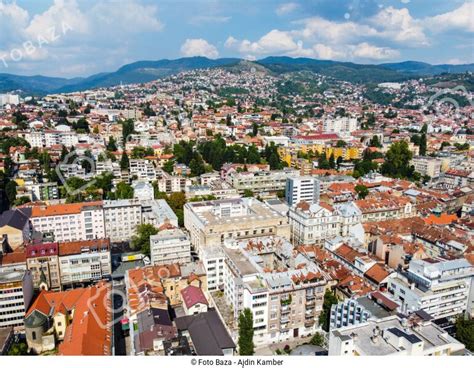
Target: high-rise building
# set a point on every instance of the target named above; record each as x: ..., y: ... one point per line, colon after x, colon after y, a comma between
x: 170, y: 246
x: 16, y: 292
x: 304, y: 188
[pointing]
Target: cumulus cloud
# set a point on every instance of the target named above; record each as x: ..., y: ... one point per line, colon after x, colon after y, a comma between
x: 199, y: 47
x: 458, y: 19
x: 13, y: 21
x: 365, y: 50
x: 398, y: 25
x: 286, y: 8
x: 51, y: 33
x: 317, y: 28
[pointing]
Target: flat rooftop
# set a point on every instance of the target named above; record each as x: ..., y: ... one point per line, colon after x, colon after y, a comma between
x: 242, y: 262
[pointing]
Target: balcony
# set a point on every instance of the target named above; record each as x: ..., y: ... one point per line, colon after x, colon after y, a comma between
x: 284, y: 319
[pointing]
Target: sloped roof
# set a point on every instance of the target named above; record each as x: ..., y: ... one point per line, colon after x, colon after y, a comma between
x: 193, y: 295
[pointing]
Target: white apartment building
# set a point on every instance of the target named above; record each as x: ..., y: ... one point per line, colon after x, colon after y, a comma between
x: 304, y: 188
x: 49, y: 138
x: 143, y: 190
x: 211, y: 222
x: 312, y: 224
x: 143, y: 170
x: 430, y: 166
x: 213, y: 258
x: 392, y: 336
x: 439, y: 287
x: 171, y: 183
x: 261, y: 181
x: 315, y: 223
x: 70, y: 222
x: 122, y: 218
x: 157, y: 212
x: 341, y: 125
x: 84, y: 261
x: 9, y: 99
x: 16, y: 293
x: 283, y: 291
x: 170, y: 246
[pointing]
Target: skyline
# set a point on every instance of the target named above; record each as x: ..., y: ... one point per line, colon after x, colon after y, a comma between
x: 69, y: 38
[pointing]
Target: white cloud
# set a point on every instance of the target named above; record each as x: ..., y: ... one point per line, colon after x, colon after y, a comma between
x: 205, y: 19
x: 317, y: 28
x: 398, y: 25
x: 128, y: 16
x: 274, y: 42
x: 286, y: 8
x: 461, y: 18
x: 199, y: 47
x: 365, y: 50
x: 63, y: 13
x: 13, y: 21
x: 326, y: 52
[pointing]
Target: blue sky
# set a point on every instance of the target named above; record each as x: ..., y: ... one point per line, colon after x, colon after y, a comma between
x: 83, y: 37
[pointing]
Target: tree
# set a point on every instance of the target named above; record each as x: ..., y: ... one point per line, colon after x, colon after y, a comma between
x: 248, y: 193
x: 362, y: 191
x: 19, y: 348
x: 141, y: 241
x: 324, y: 317
x: 112, y: 145
x: 341, y: 143
x: 317, y: 339
x: 246, y: 345
x: 254, y: 129
x: 423, y: 144
x: 168, y: 166
x: 197, y: 165
x: 10, y: 190
x: 332, y: 161
x: 465, y: 332
x: 124, y: 162
x: 375, y: 142
x: 397, y: 161
x: 123, y: 191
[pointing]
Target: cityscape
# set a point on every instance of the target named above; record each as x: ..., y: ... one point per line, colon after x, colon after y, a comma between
x: 237, y: 200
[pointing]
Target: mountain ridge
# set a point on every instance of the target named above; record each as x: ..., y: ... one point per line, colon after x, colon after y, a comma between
x: 148, y: 70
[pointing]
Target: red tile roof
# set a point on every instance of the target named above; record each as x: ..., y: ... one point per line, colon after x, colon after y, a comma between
x: 193, y: 295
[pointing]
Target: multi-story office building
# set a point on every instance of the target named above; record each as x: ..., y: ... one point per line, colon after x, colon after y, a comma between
x: 211, y: 222
x: 304, y: 188
x: 355, y: 311
x: 284, y: 292
x: 392, y: 336
x: 70, y: 222
x: 171, y: 184
x: 430, y: 166
x: 213, y: 258
x: 16, y: 292
x: 143, y: 170
x: 157, y: 212
x: 49, y: 138
x: 44, y: 191
x: 122, y: 218
x: 341, y: 125
x: 43, y: 262
x: 170, y: 246
x: 84, y: 261
x: 261, y: 181
x: 439, y: 287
